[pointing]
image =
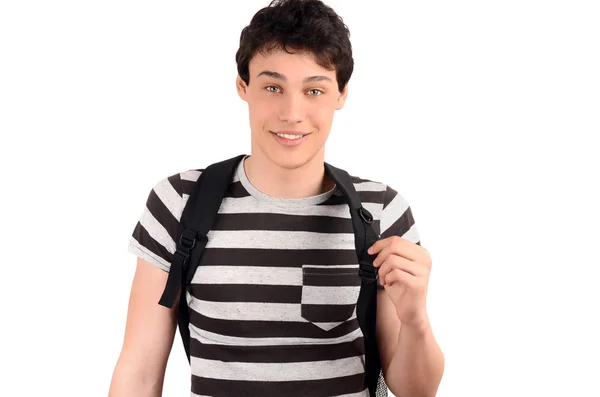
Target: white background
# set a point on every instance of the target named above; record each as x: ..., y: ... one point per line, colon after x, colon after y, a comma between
x: 483, y: 115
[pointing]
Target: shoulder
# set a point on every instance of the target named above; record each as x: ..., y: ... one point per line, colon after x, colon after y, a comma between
x: 389, y: 206
x: 365, y: 184
x: 173, y: 189
x: 381, y: 192
x: 181, y: 182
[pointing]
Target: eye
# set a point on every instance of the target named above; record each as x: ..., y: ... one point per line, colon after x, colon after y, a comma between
x: 272, y: 86
x: 315, y: 90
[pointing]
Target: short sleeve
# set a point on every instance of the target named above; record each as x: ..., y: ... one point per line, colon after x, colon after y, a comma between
x: 153, y: 238
x: 397, y: 219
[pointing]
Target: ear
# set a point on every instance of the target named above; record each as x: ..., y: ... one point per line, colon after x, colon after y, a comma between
x: 341, y: 100
x: 241, y: 88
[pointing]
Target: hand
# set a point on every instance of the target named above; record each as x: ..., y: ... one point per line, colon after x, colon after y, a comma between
x: 404, y: 269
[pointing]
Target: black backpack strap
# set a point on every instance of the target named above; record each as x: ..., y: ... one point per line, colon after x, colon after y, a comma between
x: 196, y: 220
x: 366, y: 311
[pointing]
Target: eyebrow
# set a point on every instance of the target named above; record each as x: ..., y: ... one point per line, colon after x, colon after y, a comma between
x: 281, y: 77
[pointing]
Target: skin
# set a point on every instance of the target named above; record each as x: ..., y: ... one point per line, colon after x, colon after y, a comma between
x: 283, y: 99
x: 149, y: 334
x: 275, y: 104
x: 412, y: 361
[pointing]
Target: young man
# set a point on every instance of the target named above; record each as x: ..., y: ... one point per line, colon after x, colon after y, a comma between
x: 273, y: 302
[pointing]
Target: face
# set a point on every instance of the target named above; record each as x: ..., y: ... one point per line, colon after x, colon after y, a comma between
x: 290, y: 93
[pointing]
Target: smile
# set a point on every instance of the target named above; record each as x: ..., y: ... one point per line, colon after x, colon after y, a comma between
x: 290, y: 139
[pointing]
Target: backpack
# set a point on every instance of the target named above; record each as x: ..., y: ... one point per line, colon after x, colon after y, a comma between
x: 196, y: 220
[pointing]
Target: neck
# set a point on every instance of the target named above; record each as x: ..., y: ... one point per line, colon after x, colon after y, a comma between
x: 276, y: 181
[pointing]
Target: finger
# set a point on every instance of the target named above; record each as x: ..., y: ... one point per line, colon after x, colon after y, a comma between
x: 379, y: 245
x: 382, y: 256
x: 404, y: 248
x: 408, y: 249
x: 400, y: 276
x: 396, y: 262
x: 387, y: 266
x: 399, y: 249
x: 414, y: 268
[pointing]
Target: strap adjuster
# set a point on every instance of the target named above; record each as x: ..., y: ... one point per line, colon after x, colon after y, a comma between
x: 367, y: 271
x: 187, y: 240
x: 365, y: 215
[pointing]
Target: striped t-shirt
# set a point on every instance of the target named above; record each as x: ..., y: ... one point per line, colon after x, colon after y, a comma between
x: 273, y: 301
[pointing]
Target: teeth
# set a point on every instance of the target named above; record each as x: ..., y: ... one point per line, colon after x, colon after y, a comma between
x: 287, y: 136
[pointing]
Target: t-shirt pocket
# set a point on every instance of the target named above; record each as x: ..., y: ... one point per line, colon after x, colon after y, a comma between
x: 329, y: 295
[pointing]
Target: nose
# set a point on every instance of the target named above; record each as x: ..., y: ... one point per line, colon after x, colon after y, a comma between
x: 291, y: 109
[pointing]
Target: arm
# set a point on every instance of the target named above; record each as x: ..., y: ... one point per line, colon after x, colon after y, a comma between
x: 149, y: 335
x: 412, y: 361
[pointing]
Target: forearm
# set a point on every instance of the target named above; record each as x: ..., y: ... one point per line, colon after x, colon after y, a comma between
x: 417, y: 366
x: 130, y: 381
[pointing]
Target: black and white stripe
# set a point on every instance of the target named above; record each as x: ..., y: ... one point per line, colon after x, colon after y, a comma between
x: 273, y: 302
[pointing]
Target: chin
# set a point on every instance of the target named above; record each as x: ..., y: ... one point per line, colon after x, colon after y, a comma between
x: 290, y: 162
x: 289, y: 159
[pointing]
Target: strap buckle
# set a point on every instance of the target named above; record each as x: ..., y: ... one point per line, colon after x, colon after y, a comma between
x: 367, y: 271
x: 187, y: 240
x: 365, y: 215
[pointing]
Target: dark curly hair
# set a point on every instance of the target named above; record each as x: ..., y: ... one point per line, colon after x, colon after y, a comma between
x: 307, y: 26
